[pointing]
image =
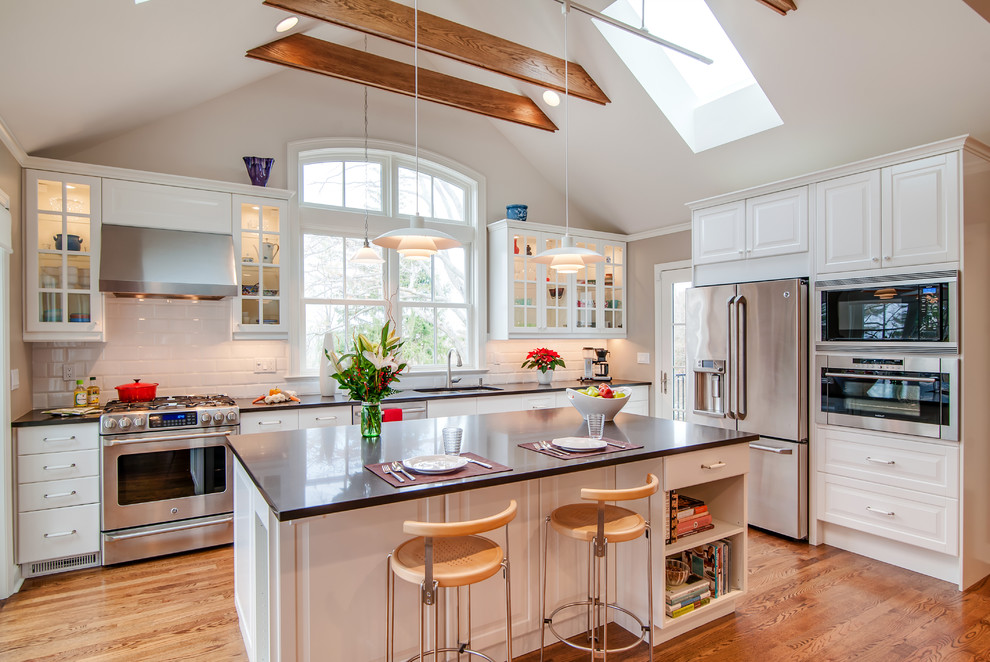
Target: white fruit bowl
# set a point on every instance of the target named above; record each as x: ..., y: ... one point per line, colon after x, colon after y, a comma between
x: 588, y: 404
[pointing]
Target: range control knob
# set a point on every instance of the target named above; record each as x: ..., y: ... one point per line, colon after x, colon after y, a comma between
x: 139, y: 421
x: 124, y: 423
x: 205, y: 418
x: 110, y: 423
x: 231, y: 416
x: 218, y: 417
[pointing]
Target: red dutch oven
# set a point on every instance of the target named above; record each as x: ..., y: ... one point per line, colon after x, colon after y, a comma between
x: 136, y: 392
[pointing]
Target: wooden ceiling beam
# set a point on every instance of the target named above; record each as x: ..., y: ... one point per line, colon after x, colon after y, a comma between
x: 981, y: 7
x: 779, y: 6
x: 395, y: 22
x: 310, y: 54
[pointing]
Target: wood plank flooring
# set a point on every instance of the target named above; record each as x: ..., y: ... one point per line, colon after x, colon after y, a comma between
x: 804, y: 603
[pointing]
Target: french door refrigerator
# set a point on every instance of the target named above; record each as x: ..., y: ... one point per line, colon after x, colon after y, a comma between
x: 747, y: 358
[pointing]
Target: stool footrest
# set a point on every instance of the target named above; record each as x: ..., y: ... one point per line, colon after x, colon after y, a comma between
x: 645, y: 629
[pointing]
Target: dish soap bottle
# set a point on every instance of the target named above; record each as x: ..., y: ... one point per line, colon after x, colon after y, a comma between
x: 79, y: 395
x: 93, y: 393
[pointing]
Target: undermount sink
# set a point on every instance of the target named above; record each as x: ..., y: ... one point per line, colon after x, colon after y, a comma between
x: 457, y: 389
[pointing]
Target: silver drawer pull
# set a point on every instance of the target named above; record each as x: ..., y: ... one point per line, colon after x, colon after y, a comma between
x: 326, y: 418
x: 56, y: 467
x: 876, y: 460
x: 892, y: 378
x: 279, y: 422
x: 713, y: 465
x: 772, y: 449
x: 414, y: 410
x: 60, y: 535
x: 888, y: 513
x: 60, y: 494
x: 54, y: 439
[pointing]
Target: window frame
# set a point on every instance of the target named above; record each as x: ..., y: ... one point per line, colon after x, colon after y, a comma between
x: 313, y: 218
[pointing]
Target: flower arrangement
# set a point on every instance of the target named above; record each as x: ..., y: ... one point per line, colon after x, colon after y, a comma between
x: 543, y: 359
x: 368, y: 372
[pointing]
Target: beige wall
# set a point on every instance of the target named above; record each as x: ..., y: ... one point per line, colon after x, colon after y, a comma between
x: 20, y: 354
x: 643, y: 255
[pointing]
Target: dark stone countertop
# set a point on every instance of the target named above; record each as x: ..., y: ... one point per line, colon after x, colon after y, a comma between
x: 36, y: 417
x: 306, y: 473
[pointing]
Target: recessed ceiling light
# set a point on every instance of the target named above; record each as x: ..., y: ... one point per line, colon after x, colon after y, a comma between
x: 286, y: 24
x: 551, y: 97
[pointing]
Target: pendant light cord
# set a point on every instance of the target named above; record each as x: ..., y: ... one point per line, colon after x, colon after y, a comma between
x: 567, y: 197
x: 365, y: 153
x: 416, y: 93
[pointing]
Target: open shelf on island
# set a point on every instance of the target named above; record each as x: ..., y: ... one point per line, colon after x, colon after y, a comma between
x: 715, y: 603
x: 721, y: 530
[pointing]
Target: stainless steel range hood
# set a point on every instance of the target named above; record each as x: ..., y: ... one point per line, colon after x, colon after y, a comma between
x: 166, y: 263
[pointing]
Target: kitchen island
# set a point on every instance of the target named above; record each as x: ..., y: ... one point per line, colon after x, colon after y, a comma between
x: 313, y: 526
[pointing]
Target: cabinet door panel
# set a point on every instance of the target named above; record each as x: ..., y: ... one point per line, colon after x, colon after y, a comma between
x: 777, y: 224
x: 52, y: 534
x: 720, y: 233
x: 848, y: 222
x: 921, y: 212
x: 273, y: 421
x: 140, y: 204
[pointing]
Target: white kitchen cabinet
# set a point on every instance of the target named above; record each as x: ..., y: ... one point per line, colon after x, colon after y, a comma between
x: 536, y: 300
x: 719, y: 233
x: 441, y: 407
x: 901, y: 215
x: 763, y: 226
x: 58, y: 498
x: 500, y: 404
x: 324, y: 417
x: 145, y: 205
x: 253, y: 422
x: 62, y: 215
x: 260, y: 231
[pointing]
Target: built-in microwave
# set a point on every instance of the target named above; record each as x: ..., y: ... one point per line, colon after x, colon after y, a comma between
x: 913, y: 312
x: 916, y: 395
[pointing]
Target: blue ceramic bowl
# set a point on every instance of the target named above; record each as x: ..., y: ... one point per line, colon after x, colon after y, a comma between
x: 74, y: 242
x: 516, y: 212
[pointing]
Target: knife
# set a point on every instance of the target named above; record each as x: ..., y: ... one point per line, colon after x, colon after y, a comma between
x: 479, y: 462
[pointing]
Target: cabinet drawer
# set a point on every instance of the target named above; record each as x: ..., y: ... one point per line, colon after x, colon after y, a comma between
x: 548, y: 401
x: 930, y: 468
x: 269, y: 421
x: 323, y: 417
x: 704, y: 466
x: 57, y: 466
x: 52, y: 534
x: 55, y: 438
x: 500, y: 404
x: 58, y: 493
x: 930, y: 521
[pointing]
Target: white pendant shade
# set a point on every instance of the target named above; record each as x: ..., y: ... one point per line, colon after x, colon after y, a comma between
x: 568, y: 258
x: 417, y: 241
x: 367, y: 255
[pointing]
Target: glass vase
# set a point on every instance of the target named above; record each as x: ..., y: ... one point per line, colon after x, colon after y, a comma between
x: 371, y: 419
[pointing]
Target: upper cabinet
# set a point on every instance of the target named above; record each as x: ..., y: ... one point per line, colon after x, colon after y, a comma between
x: 144, y: 205
x: 764, y: 226
x: 260, y: 228
x: 62, y: 258
x: 898, y: 216
x: 530, y: 300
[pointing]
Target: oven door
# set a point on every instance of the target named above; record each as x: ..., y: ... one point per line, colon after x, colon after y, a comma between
x: 915, y: 401
x: 149, y: 479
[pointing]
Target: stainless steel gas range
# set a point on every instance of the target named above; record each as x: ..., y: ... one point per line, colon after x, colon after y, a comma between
x: 167, y: 475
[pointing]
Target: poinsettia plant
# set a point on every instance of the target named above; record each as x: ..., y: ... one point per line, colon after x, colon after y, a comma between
x: 543, y: 359
x: 368, y: 371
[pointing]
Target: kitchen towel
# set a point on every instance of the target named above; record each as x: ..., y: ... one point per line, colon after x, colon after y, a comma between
x: 467, y: 471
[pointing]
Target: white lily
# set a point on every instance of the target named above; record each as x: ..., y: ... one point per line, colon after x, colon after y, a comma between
x: 380, y: 361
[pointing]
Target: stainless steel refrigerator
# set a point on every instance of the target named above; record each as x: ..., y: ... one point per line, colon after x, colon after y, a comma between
x: 747, y: 365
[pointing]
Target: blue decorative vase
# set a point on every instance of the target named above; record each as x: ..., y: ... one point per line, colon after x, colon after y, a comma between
x: 516, y: 212
x: 258, y: 169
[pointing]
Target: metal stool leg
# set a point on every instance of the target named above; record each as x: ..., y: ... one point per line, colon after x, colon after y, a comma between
x: 649, y: 583
x: 604, y: 562
x: 543, y: 594
x: 389, y: 610
x: 508, y: 609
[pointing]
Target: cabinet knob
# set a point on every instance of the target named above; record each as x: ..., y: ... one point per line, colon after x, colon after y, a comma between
x: 886, y: 257
x: 876, y: 259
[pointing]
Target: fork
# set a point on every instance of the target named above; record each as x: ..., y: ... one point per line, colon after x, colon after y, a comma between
x: 387, y: 470
x: 553, y: 450
x: 397, y: 467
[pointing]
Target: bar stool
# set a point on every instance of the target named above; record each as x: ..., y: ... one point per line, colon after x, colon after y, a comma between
x: 447, y: 555
x: 600, y: 524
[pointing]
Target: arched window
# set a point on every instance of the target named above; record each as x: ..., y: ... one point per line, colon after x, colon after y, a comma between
x: 435, y: 303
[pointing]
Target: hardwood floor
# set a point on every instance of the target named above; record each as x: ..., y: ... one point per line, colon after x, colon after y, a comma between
x: 804, y: 603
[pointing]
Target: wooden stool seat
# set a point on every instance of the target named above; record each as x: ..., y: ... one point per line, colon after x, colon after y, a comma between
x: 580, y: 521
x: 457, y: 561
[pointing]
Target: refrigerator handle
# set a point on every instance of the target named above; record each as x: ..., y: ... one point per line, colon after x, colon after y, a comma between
x: 741, y: 352
x: 730, y: 392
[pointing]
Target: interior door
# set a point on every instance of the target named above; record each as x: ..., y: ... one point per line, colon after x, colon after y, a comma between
x: 672, y: 343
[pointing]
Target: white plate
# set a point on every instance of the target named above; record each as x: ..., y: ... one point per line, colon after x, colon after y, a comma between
x: 579, y: 444
x: 435, y: 464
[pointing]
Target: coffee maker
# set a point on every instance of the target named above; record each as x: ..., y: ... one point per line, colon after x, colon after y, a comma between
x: 600, y: 365
x: 588, y: 354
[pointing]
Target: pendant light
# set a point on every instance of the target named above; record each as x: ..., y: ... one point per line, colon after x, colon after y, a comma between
x: 417, y: 242
x: 366, y: 254
x: 567, y: 258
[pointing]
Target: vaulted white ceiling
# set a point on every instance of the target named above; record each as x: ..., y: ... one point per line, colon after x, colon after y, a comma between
x: 850, y: 79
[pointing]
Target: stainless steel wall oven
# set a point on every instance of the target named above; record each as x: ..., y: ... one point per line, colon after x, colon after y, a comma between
x: 904, y: 394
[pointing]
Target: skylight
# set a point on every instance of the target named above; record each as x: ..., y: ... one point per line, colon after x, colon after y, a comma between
x: 708, y: 104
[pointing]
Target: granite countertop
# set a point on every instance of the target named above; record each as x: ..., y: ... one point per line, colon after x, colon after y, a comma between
x: 36, y: 417
x: 306, y: 473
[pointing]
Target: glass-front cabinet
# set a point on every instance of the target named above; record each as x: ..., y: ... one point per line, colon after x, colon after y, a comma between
x: 62, y: 260
x: 536, y: 300
x: 260, y: 231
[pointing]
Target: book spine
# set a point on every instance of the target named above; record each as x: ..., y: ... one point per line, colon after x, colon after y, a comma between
x: 672, y: 524
x: 693, y: 522
x: 689, y: 599
x: 688, y: 608
x: 684, y: 513
x: 692, y: 529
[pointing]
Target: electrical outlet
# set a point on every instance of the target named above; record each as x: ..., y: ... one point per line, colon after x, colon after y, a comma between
x: 264, y: 365
x: 15, y: 379
x: 642, y: 357
x: 68, y: 372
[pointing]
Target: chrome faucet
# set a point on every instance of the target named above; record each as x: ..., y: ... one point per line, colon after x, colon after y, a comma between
x: 451, y: 382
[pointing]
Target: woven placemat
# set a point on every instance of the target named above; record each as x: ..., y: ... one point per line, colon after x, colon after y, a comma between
x: 612, y: 446
x: 468, y: 470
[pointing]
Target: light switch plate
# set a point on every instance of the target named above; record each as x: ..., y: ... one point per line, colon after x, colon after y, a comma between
x: 264, y: 365
x: 15, y: 379
x: 642, y: 357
